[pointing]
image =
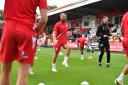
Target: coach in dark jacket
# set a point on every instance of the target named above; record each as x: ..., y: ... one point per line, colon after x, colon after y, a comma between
x: 103, y: 33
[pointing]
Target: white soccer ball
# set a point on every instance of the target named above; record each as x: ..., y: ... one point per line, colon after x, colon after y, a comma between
x: 41, y: 84
x: 84, y: 83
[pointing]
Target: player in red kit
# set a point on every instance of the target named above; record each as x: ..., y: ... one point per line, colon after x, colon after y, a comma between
x: 80, y: 43
x: 124, y: 30
x: 19, y: 37
x: 59, y: 40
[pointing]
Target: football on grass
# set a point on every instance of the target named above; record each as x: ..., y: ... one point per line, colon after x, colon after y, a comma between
x: 84, y: 83
x: 41, y: 84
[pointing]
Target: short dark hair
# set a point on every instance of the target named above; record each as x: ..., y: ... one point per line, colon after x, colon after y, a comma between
x: 63, y: 13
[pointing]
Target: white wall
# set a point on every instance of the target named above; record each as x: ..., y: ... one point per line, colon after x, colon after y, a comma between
x: 89, y: 18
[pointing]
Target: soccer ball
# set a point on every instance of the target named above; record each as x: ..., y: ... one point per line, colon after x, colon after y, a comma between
x: 84, y: 83
x: 41, y: 84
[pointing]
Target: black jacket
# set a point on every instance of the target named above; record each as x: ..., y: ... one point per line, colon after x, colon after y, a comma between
x: 103, y: 30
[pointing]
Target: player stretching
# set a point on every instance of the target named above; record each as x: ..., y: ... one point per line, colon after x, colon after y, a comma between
x: 59, y: 40
x: 80, y: 43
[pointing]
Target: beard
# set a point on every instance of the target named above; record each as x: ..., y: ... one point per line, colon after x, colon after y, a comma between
x: 64, y: 20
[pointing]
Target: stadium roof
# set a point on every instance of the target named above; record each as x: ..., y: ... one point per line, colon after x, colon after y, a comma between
x: 71, y: 6
x: 88, y: 7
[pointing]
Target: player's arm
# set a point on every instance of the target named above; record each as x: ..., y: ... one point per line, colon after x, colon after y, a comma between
x: 122, y: 30
x: 110, y: 31
x: 43, y: 13
x: 54, y: 35
x: 2, y: 23
x: 42, y: 21
x: 99, y: 32
x: 54, y: 38
x: 77, y: 42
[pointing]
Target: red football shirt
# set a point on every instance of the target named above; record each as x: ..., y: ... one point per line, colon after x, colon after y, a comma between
x: 23, y: 10
x: 82, y: 40
x: 60, y: 30
x: 125, y: 24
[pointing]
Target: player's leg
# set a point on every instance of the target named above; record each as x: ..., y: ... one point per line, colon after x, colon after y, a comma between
x: 7, y: 54
x: 5, y: 74
x: 121, y: 77
x: 101, y: 47
x: 30, y: 69
x: 66, y: 57
x: 23, y: 74
x: 56, y: 52
x: 82, y: 54
x: 107, y: 48
x: 90, y: 47
x: 35, y: 58
x: 125, y: 70
x: 26, y: 45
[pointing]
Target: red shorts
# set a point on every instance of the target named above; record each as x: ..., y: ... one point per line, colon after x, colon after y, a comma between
x: 18, y: 43
x: 81, y: 46
x: 59, y: 44
x: 125, y: 45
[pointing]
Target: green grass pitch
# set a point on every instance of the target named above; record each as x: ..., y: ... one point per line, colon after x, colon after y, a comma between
x: 78, y: 71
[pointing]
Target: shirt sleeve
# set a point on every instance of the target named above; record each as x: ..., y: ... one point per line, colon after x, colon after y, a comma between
x: 43, y: 4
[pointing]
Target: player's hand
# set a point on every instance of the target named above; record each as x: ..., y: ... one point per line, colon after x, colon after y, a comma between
x: 105, y: 36
x: 34, y: 26
x: 38, y: 30
x: 121, y: 38
x: 2, y: 23
x: 99, y: 37
x: 55, y: 42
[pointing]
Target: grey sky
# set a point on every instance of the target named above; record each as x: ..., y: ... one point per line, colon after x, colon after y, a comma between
x: 50, y: 2
x: 60, y: 2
